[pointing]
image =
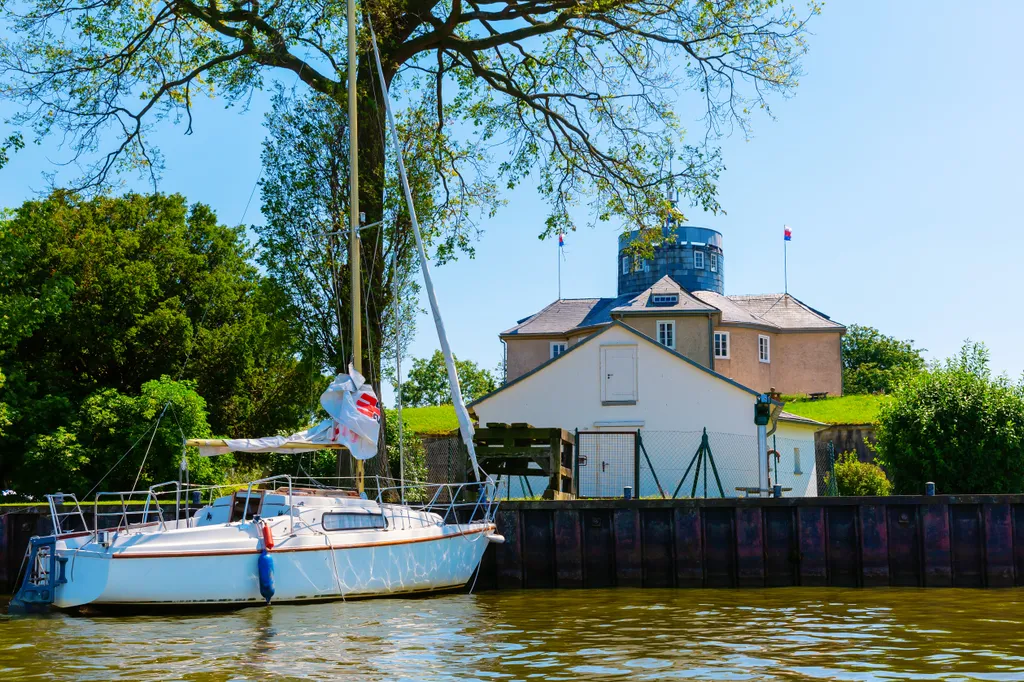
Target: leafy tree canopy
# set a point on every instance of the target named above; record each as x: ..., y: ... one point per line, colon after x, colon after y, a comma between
x: 427, y: 382
x: 955, y: 425
x: 100, y: 298
x: 875, y: 363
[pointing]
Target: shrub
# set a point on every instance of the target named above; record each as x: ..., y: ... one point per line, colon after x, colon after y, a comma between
x: 955, y: 425
x: 856, y: 478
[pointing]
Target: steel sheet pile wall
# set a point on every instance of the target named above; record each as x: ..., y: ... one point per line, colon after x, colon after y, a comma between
x: 962, y: 541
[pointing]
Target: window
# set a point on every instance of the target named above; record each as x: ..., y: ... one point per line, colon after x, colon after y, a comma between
x: 557, y: 348
x: 722, y: 345
x: 764, y: 353
x: 714, y: 262
x: 664, y: 299
x: 647, y: 265
x: 667, y: 333
x: 625, y: 265
x: 353, y: 521
x: 618, y: 375
x: 796, y: 461
x: 638, y: 263
x: 698, y: 260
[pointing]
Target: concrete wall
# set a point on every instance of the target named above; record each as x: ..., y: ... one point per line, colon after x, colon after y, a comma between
x: 801, y: 362
x: 850, y: 438
x: 691, y: 333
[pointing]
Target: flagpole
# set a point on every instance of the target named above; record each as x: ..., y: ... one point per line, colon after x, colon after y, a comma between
x: 785, y: 266
x: 558, y: 255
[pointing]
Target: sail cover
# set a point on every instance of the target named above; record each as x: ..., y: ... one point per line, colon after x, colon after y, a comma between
x: 354, y: 423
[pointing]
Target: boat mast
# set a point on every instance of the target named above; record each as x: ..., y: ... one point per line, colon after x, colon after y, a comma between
x: 353, y: 203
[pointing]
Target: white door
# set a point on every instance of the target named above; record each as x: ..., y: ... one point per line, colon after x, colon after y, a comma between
x: 618, y: 374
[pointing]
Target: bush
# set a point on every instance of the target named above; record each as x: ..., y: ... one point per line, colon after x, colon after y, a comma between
x: 955, y: 425
x: 856, y: 478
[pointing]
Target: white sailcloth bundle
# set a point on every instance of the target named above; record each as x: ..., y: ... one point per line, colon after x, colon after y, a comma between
x: 354, y: 423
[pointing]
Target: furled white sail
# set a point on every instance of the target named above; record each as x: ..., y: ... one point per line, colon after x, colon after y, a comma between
x: 354, y: 424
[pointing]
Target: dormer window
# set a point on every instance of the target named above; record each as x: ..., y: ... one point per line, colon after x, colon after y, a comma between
x: 698, y: 260
x: 664, y: 299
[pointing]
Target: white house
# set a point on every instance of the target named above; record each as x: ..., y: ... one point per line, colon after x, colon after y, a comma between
x: 619, y: 380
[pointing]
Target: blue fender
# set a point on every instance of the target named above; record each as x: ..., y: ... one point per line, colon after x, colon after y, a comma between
x: 265, y: 564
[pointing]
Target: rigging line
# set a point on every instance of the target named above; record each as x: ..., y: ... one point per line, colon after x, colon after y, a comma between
x: 156, y: 427
x: 139, y: 440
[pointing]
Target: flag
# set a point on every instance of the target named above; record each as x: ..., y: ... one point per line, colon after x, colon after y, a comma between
x: 788, y: 234
x: 561, y: 242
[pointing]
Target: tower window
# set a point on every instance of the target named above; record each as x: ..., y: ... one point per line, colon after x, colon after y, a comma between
x: 714, y: 262
x: 625, y: 265
x: 764, y: 348
x: 698, y: 260
x: 667, y: 333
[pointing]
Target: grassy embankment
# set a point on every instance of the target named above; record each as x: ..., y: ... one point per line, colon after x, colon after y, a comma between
x: 848, y: 409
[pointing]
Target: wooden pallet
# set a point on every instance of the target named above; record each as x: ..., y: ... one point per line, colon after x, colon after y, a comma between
x: 510, y: 449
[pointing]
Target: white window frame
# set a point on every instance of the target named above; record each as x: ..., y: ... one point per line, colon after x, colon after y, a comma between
x: 698, y: 263
x: 647, y: 265
x: 715, y: 344
x: 796, y: 462
x: 625, y: 265
x: 714, y: 262
x: 562, y: 346
x: 766, y: 347
x: 669, y: 299
x: 671, y: 325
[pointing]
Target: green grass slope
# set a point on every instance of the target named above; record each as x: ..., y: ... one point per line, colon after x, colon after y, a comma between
x: 430, y: 421
x: 848, y: 409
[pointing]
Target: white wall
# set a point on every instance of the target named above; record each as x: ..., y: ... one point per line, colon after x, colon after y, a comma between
x: 788, y: 437
x: 672, y: 396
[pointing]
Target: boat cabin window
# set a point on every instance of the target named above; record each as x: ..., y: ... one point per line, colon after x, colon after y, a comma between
x: 353, y: 521
x: 239, y: 512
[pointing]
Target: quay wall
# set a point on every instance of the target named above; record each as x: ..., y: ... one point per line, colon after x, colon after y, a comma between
x: 940, y: 541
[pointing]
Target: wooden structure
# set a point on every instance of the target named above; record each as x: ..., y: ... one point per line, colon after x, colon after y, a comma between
x: 510, y: 449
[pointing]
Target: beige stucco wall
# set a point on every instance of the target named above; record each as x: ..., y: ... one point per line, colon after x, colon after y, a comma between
x: 809, y: 362
x: 691, y: 333
x: 801, y: 362
x: 526, y: 354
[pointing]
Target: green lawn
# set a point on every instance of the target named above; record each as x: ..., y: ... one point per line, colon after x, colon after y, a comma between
x: 849, y: 409
x: 430, y: 421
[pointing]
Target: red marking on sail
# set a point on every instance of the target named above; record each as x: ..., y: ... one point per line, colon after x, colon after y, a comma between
x: 367, y: 404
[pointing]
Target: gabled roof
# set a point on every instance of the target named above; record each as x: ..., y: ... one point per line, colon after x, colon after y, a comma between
x: 643, y: 303
x: 779, y: 311
x: 790, y: 417
x: 631, y: 330
x: 568, y: 314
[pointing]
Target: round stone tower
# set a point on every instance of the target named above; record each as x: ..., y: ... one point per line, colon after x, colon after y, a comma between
x: 694, y: 259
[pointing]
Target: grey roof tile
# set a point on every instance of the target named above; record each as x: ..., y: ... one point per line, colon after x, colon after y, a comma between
x: 785, y: 312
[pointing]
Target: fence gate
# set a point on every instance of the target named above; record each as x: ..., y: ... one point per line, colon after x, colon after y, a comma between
x: 606, y: 462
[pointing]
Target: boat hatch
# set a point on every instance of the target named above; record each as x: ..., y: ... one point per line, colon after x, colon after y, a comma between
x: 245, y: 506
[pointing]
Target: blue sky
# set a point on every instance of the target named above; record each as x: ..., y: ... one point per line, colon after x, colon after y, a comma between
x: 896, y: 164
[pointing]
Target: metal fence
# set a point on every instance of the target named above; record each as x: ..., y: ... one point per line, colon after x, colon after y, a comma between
x: 661, y: 464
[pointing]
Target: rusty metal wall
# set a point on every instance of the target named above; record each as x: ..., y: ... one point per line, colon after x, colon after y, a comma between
x: 943, y: 541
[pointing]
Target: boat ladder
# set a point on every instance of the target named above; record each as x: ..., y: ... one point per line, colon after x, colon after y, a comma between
x: 44, y: 572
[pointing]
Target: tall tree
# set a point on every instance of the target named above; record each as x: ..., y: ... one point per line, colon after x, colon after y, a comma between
x: 876, y: 363
x: 580, y: 95
x: 111, y: 293
x: 427, y: 383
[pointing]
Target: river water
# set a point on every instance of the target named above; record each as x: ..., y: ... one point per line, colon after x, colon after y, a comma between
x: 621, y: 634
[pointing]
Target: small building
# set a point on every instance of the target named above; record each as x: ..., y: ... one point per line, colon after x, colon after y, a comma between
x: 765, y: 341
x: 617, y: 379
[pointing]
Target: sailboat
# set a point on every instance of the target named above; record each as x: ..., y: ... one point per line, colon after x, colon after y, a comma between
x: 281, y: 539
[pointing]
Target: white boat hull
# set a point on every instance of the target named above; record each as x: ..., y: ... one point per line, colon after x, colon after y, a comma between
x: 189, y: 566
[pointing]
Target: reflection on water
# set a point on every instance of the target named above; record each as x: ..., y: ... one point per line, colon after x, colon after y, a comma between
x: 548, y: 635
